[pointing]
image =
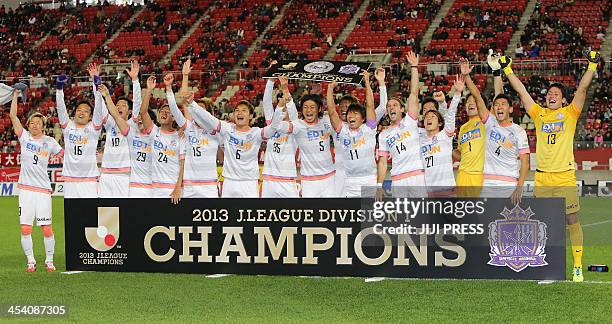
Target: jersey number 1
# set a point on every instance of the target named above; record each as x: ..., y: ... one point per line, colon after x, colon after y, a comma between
x: 552, y: 138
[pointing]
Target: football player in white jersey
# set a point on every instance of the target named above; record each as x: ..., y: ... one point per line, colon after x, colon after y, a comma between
x: 241, y: 144
x: 279, y: 172
x: 34, y: 186
x: 81, y: 134
x: 138, y: 138
x: 200, y: 178
x: 437, y: 146
x: 507, y: 148
x: 357, y: 137
x: 343, y: 104
x: 400, y: 141
x: 313, y: 134
x: 115, y: 171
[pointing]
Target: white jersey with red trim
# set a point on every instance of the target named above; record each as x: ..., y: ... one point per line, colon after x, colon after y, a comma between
x: 402, y: 143
x: 279, y: 161
x: 116, y: 158
x: 437, y: 152
x: 141, y: 156
x: 241, y: 151
x: 201, y: 155
x: 168, y: 150
x: 358, y: 148
x: 437, y: 158
x: 504, y: 144
x: 315, y: 153
x: 80, y: 142
x: 35, y: 154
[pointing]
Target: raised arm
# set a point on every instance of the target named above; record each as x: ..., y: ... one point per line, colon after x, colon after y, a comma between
x: 136, y: 91
x: 371, y: 120
x: 112, y: 109
x: 147, y: 122
x: 440, y: 98
x: 381, y: 110
x: 268, y: 106
x: 493, y: 61
x: 200, y: 115
x: 466, y: 69
x: 100, y: 112
x: 277, y: 121
x: 174, y: 109
x: 17, y: 127
x: 580, y: 96
x: 505, y: 63
x: 334, y: 118
x: 449, y: 122
x: 413, y: 99
x: 291, y: 109
x: 62, y: 112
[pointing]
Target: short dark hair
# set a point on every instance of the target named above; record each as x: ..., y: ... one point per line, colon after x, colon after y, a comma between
x: 430, y: 99
x: 348, y: 98
x: 358, y: 108
x: 503, y: 96
x: 483, y: 99
x: 126, y: 99
x: 559, y: 86
x: 246, y: 103
x: 85, y: 102
x: 316, y: 98
x: 440, y: 118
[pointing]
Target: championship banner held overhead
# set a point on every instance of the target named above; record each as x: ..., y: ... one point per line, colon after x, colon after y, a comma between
x: 401, y: 238
x: 321, y: 71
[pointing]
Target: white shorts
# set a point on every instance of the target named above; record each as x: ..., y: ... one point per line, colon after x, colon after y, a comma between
x: 340, y: 180
x: 34, y: 205
x: 410, y: 187
x: 114, y: 185
x: 140, y: 192
x: 497, y: 188
x: 240, y: 188
x: 323, y: 188
x: 279, y: 189
x: 353, y: 186
x: 87, y: 189
x: 201, y: 191
x: 161, y: 192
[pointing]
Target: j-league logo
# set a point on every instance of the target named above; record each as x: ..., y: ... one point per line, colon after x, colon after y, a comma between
x: 105, y: 236
x: 517, y: 241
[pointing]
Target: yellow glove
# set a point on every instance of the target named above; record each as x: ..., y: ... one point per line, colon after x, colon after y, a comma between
x: 594, y: 59
x: 505, y: 62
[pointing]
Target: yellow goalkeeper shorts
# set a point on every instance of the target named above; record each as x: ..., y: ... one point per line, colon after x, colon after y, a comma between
x: 558, y: 184
x: 469, y: 184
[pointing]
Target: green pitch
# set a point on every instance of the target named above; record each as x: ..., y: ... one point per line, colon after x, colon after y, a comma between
x: 136, y: 297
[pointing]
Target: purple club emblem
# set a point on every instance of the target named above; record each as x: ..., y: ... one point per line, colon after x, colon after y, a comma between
x: 349, y: 69
x: 517, y: 241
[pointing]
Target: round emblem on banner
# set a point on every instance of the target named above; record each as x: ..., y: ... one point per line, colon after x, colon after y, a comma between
x: 319, y: 67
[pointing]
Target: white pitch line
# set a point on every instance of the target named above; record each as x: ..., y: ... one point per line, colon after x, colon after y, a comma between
x: 598, y: 223
x: 72, y: 272
x: 218, y: 275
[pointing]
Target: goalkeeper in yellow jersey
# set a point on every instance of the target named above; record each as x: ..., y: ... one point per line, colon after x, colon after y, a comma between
x: 555, y: 126
x: 471, y: 141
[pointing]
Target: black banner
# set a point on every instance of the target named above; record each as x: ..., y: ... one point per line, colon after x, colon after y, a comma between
x: 322, y: 71
x: 421, y: 238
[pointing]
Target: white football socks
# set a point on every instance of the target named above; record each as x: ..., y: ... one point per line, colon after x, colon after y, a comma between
x: 49, y: 247
x: 28, y: 249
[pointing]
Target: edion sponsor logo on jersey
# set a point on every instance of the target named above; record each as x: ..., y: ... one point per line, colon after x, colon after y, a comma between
x: 500, y: 139
x: 555, y: 127
x: 278, y: 138
x: 140, y: 145
x: 398, y: 137
x: 163, y: 148
x: 201, y: 141
x: 430, y: 149
x: 353, y: 142
x: 317, y: 135
x: 470, y: 135
x: 77, y: 139
x: 239, y: 143
x: 38, y: 150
